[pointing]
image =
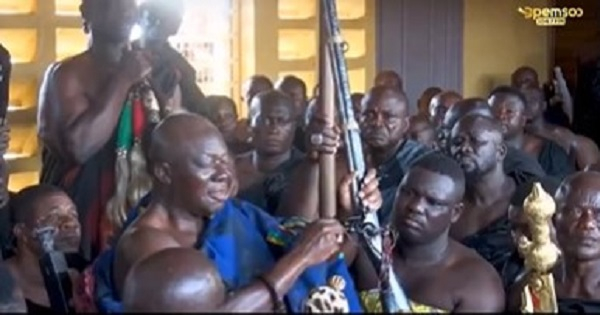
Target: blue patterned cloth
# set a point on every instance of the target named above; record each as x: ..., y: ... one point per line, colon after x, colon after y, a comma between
x: 243, y: 242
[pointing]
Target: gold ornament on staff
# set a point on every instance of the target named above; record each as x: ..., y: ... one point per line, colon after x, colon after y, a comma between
x: 329, y: 298
x: 540, y: 253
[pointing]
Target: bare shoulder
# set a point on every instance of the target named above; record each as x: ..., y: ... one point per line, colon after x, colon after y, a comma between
x: 138, y: 242
x: 481, y: 288
x: 585, y: 142
x: 563, y: 132
x: 468, y: 259
x: 145, y: 236
x: 73, y: 66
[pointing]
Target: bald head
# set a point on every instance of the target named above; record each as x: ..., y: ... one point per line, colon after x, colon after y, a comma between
x: 439, y: 105
x: 524, y: 77
x: 478, y: 123
x: 264, y: 101
x: 466, y: 107
x: 425, y: 100
x: 576, y: 185
x: 254, y: 85
x: 179, y: 134
x: 577, y: 222
x: 421, y: 130
x: 173, y: 280
x: 389, y: 78
x: 457, y: 111
x: 385, y: 93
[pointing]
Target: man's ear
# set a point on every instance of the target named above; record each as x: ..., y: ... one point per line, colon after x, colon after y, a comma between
x: 457, y: 211
x: 502, y: 149
x: 19, y: 232
x: 162, y: 172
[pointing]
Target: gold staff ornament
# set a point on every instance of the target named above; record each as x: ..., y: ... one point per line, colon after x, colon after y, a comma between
x: 540, y: 253
x: 329, y: 298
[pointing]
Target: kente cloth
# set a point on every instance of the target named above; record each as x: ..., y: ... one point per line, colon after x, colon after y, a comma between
x: 494, y: 243
x: 555, y: 161
x: 267, y: 193
x: 90, y: 185
x: 393, y: 170
x: 371, y: 301
x: 243, y: 242
x: 569, y: 305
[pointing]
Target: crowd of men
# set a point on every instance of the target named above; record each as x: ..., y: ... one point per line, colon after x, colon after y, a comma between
x: 165, y: 200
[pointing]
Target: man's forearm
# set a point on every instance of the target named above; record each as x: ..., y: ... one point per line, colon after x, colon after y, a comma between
x: 257, y: 297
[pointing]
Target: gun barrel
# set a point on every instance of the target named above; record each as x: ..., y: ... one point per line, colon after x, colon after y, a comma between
x: 393, y: 297
x: 57, y: 281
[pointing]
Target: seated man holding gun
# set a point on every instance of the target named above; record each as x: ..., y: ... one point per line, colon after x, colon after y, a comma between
x: 35, y: 209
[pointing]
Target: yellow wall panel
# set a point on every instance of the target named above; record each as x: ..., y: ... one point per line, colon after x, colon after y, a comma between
x: 357, y: 78
x: 21, y: 42
x: 296, y: 44
x: 17, y: 6
x: 23, y: 93
x: 296, y: 9
x: 69, y: 42
x: 356, y: 39
x: 17, y: 181
x: 67, y: 7
x: 497, y: 43
x: 19, y: 135
x: 351, y: 9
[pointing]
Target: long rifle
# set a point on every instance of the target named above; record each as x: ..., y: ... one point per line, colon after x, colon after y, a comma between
x: 393, y: 297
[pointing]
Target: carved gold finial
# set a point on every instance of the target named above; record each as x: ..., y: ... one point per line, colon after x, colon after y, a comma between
x: 539, y: 252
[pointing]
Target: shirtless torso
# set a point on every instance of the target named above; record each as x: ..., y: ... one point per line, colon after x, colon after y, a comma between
x: 455, y: 283
x: 150, y: 233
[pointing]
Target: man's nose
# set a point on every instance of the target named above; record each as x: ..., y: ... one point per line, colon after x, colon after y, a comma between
x: 587, y: 221
x: 416, y: 205
x: 465, y: 148
x: 378, y: 120
x: 69, y: 224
